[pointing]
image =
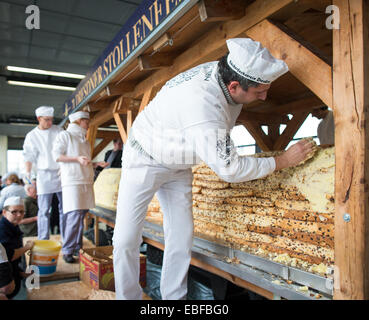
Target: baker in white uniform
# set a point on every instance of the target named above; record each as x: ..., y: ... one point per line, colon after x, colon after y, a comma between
x: 73, y: 152
x: 189, y: 120
x: 37, y: 152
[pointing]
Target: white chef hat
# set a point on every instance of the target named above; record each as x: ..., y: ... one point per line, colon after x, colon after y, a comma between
x: 13, y: 201
x: 249, y: 59
x: 79, y: 115
x: 44, y: 111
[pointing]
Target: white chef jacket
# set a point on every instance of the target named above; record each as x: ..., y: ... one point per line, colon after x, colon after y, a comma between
x: 326, y: 129
x: 37, y: 149
x: 77, y: 180
x: 72, y: 143
x: 190, y: 120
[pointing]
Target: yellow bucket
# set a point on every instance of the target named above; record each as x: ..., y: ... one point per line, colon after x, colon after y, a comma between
x: 45, y: 255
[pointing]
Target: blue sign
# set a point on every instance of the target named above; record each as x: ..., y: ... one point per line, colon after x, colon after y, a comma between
x: 139, y: 26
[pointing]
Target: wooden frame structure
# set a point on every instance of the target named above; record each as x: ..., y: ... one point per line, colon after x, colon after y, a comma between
x: 327, y: 67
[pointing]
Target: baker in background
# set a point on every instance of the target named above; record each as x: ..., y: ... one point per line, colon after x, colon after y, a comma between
x: 73, y: 151
x: 326, y: 125
x: 189, y: 120
x: 37, y: 152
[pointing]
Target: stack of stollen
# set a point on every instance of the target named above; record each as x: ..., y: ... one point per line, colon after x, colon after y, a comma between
x: 287, y: 216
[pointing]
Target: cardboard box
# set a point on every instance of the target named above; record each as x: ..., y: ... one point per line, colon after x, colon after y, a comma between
x: 96, y: 268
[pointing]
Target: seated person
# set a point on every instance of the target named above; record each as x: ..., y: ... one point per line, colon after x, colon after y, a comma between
x: 326, y: 126
x: 28, y: 224
x: 113, y: 157
x: 14, y: 188
x: 12, y: 240
x: 6, y: 275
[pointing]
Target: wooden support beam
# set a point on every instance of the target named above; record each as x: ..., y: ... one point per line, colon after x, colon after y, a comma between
x: 162, y: 42
x: 112, y: 90
x: 125, y: 104
x: 273, y: 132
x: 91, y: 136
x: 100, y: 147
x: 102, y: 116
x: 221, y: 10
x: 263, y: 118
x: 147, y: 97
x: 213, y: 41
x: 105, y: 134
x: 304, y: 62
x: 351, y: 107
x: 156, y: 61
x: 262, y: 140
x: 299, y: 106
x: 119, y: 122
x: 289, y: 132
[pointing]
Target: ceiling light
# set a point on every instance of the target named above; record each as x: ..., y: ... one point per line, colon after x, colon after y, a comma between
x: 40, y: 85
x: 44, y: 72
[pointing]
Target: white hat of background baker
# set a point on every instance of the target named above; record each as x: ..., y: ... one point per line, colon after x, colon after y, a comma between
x: 44, y: 111
x: 79, y: 115
x: 13, y: 201
x: 249, y: 59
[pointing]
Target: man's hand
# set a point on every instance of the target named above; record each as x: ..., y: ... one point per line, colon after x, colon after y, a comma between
x: 294, y: 155
x: 29, y: 245
x: 84, y: 161
x: 102, y: 164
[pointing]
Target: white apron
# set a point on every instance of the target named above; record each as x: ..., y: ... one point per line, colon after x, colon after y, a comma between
x: 84, y: 201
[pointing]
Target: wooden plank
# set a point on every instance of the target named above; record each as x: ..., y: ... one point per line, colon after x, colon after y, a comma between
x: 73, y: 290
x: 147, y: 97
x: 263, y: 118
x: 156, y: 61
x: 119, y: 122
x: 302, y: 105
x: 100, y: 147
x: 105, y: 134
x: 289, y: 132
x: 212, y: 42
x: 237, y: 281
x: 308, y: 66
x: 162, y: 41
x: 91, y: 136
x: 273, y: 132
x: 262, y: 140
x: 351, y: 105
x: 102, y: 116
x: 221, y: 10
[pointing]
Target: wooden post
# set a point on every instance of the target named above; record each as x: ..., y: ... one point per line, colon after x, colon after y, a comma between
x: 351, y: 102
x: 91, y: 137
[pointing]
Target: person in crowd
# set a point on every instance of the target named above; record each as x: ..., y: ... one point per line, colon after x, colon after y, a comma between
x: 12, y: 240
x: 326, y: 125
x: 113, y: 156
x: 73, y: 152
x: 7, y: 284
x: 189, y: 120
x: 28, y: 224
x: 37, y: 152
x: 14, y: 188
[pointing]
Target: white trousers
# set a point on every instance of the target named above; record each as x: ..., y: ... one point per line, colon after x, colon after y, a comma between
x: 141, y: 178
